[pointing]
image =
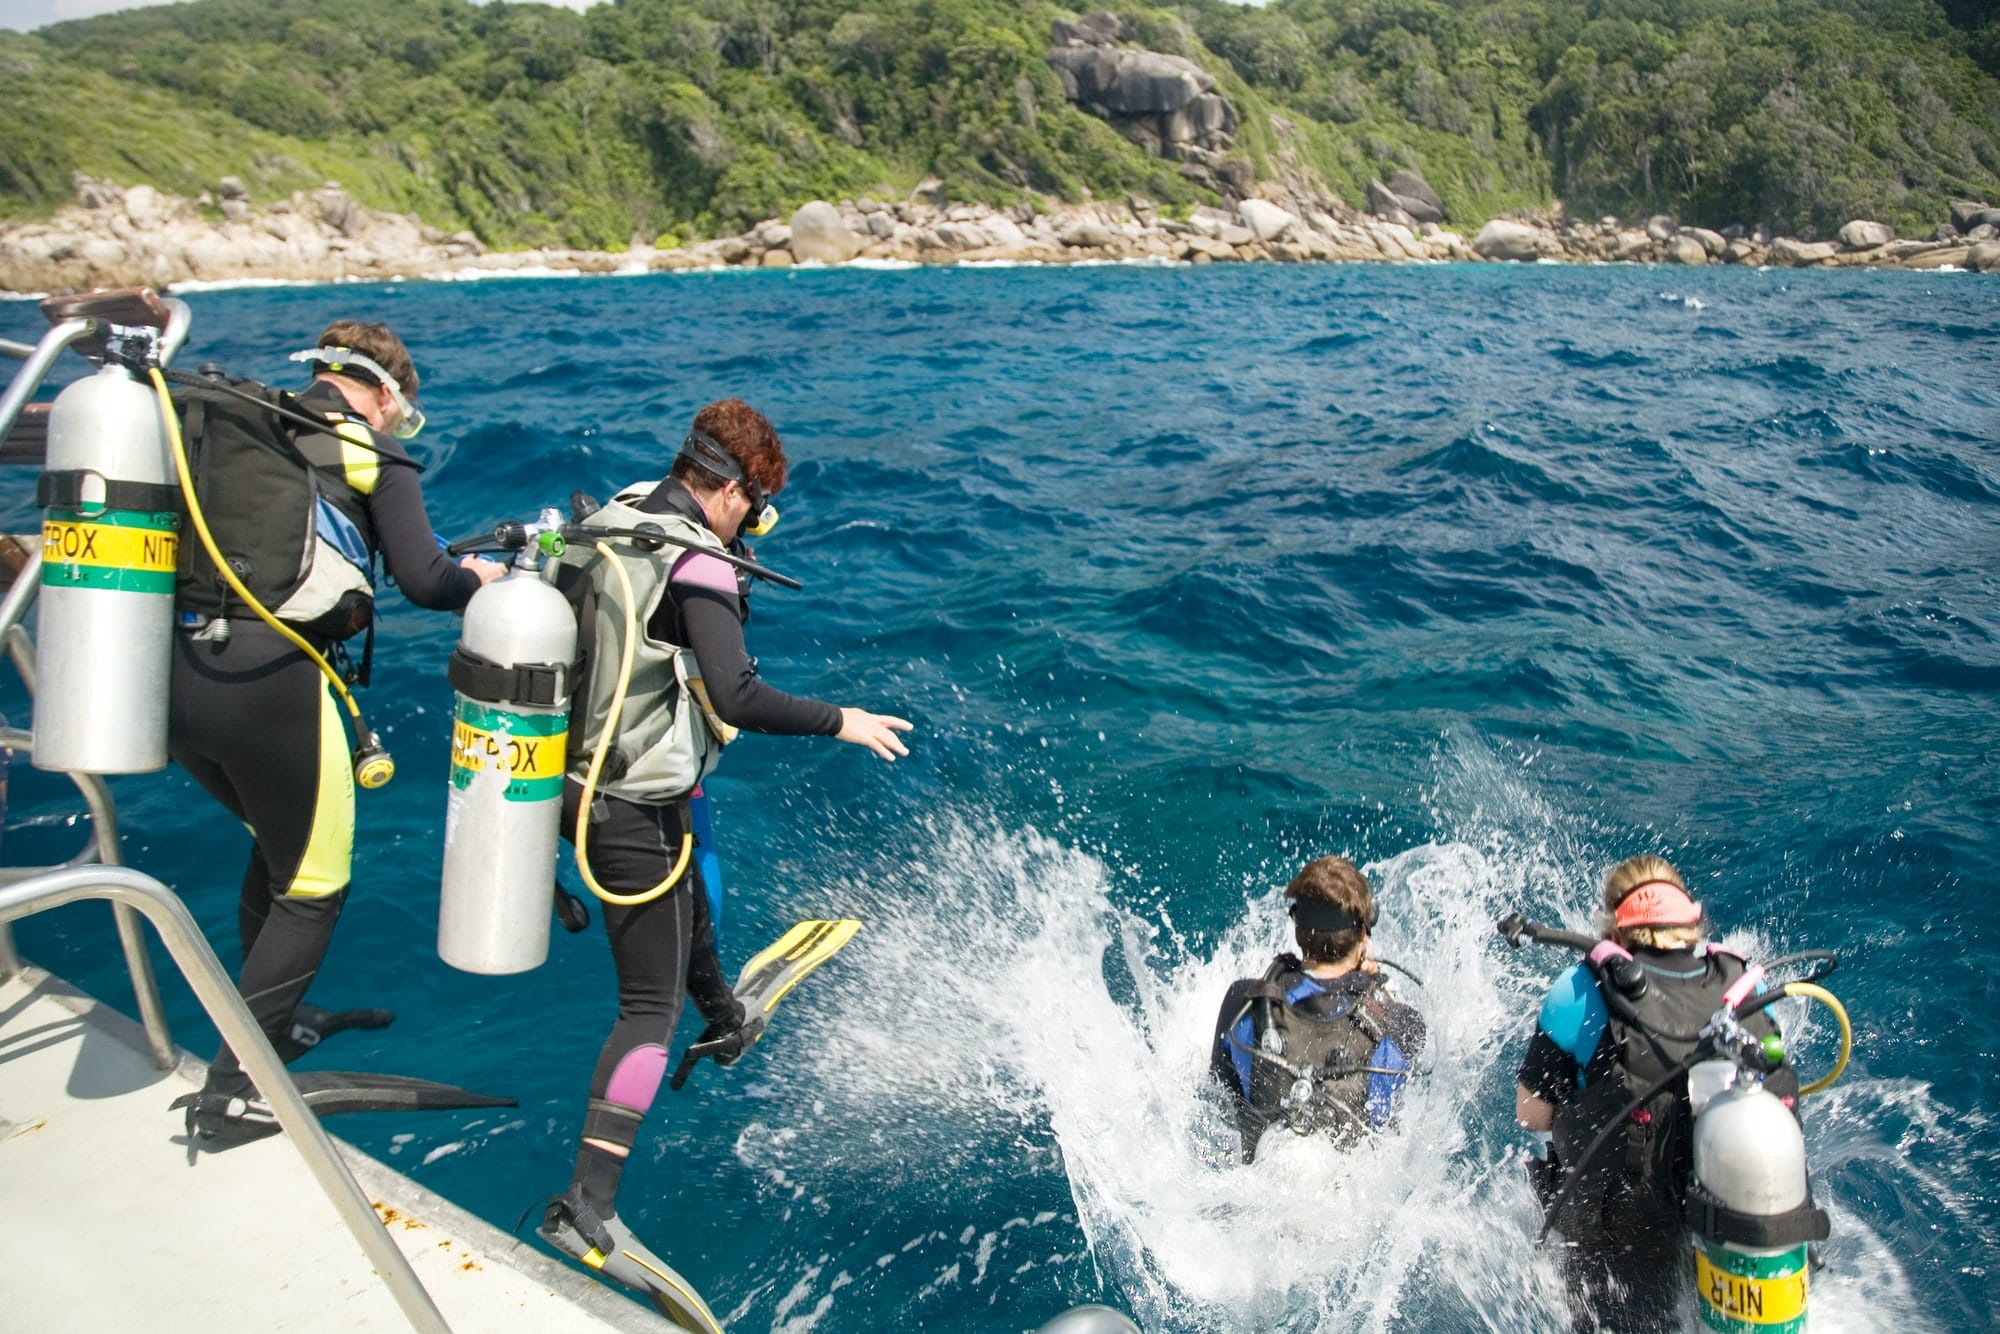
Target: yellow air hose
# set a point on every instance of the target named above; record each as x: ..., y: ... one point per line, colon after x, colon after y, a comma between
x: 610, y: 730
x: 1813, y: 991
x: 380, y: 768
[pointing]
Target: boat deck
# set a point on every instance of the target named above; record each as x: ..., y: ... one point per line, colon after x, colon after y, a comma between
x: 106, y: 1224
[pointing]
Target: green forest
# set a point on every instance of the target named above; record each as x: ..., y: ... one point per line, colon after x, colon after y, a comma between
x: 640, y: 119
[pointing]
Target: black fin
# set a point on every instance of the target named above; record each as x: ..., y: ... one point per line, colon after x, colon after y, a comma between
x: 331, y: 1092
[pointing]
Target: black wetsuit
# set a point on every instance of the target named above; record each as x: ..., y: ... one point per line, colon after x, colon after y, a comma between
x: 665, y: 949
x: 252, y: 720
x: 1625, y: 1245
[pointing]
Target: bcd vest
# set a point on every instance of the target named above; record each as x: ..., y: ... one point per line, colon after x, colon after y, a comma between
x: 1655, y: 1152
x: 668, y: 738
x: 286, y: 506
x: 1313, y: 1055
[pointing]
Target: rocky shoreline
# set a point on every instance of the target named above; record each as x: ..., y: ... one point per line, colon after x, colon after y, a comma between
x: 114, y: 236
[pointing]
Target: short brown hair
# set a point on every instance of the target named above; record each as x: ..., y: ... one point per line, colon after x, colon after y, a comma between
x: 1337, y: 882
x: 750, y: 439
x: 379, y: 344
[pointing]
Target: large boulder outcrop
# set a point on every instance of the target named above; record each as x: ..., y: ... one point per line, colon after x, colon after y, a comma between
x: 819, y: 233
x: 1800, y: 254
x: 1504, y: 238
x: 1165, y: 103
x: 1409, y: 192
x: 1098, y: 29
x: 1715, y: 243
x: 1965, y: 212
x: 1265, y: 220
x: 1686, y: 250
x: 1864, y: 235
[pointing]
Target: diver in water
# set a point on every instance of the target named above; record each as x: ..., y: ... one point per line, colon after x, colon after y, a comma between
x: 670, y: 726
x: 1316, y: 1043
x: 1626, y: 1257
x: 252, y: 719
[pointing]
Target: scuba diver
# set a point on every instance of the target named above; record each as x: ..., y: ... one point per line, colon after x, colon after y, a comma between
x: 1316, y: 1043
x: 633, y: 849
x: 252, y: 717
x: 1627, y: 1252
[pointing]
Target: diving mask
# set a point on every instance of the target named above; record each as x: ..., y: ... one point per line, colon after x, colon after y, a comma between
x: 409, y: 417
x: 708, y: 452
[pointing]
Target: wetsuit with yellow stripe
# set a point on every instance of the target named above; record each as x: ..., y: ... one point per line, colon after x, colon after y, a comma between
x: 253, y: 721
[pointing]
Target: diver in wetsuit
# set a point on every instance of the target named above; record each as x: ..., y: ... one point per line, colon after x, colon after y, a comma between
x: 664, y: 949
x: 254, y: 722
x: 1626, y: 1245
x: 1316, y: 1043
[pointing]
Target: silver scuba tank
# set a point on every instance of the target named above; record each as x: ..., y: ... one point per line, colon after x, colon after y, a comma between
x: 509, y: 747
x: 104, y: 634
x: 1750, y: 1158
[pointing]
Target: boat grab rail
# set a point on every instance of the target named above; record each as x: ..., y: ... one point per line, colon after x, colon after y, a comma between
x: 192, y: 954
x: 90, y: 322
x: 103, y: 847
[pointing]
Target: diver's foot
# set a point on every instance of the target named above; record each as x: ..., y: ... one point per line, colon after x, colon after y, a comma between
x: 725, y: 1041
x: 600, y: 1242
x: 218, y: 1120
x: 312, y: 1026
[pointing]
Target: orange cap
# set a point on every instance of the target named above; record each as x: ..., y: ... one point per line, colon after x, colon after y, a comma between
x: 1658, y: 903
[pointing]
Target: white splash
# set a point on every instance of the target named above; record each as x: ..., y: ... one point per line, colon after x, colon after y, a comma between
x: 1001, y: 994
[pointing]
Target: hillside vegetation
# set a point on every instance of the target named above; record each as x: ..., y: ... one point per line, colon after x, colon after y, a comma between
x: 533, y: 125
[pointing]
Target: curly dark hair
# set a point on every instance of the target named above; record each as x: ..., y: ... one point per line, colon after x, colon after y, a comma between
x: 750, y: 439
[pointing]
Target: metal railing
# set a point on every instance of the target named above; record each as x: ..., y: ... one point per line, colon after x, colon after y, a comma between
x: 103, y: 847
x: 140, y: 893
x: 96, y: 872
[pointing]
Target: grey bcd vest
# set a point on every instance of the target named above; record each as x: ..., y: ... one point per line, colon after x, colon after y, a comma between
x: 668, y: 739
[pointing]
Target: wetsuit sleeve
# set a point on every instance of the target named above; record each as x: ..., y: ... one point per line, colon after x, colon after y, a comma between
x: 1548, y: 1071
x: 1229, y: 1066
x: 713, y: 621
x: 410, y: 548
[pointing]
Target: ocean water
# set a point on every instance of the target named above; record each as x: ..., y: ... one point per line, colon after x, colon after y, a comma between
x: 1485, y: 577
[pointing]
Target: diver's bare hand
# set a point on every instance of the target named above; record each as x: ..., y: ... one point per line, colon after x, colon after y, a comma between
x: 877, y: 731
x: 487, y: 570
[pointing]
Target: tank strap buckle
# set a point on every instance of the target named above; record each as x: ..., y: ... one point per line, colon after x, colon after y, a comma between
x: 543, y: 685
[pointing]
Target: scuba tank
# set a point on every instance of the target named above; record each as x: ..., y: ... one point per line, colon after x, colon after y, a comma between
x: 1749, y: 1187
x: 510, y: 741
x: 104, y: 637
x: 509, y: 747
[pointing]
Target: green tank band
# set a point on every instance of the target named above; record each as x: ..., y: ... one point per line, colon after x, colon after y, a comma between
x: 1742, y: 1294
x: 530, y: 748
x: 131, y: 551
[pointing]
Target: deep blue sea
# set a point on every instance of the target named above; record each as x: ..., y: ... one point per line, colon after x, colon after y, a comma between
x: 1486, y: 577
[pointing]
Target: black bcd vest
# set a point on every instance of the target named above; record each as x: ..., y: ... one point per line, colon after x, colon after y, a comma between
x: 260, y: 496
x: 1654, y: 1155
x: 1311, y: 1058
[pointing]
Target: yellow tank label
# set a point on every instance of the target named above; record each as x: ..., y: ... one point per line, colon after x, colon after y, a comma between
x: 1751, y: 1292
x: 112, y: 547
x: 517, y: 756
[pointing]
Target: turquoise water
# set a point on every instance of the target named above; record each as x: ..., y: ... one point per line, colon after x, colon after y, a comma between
x: 1486, y: 577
